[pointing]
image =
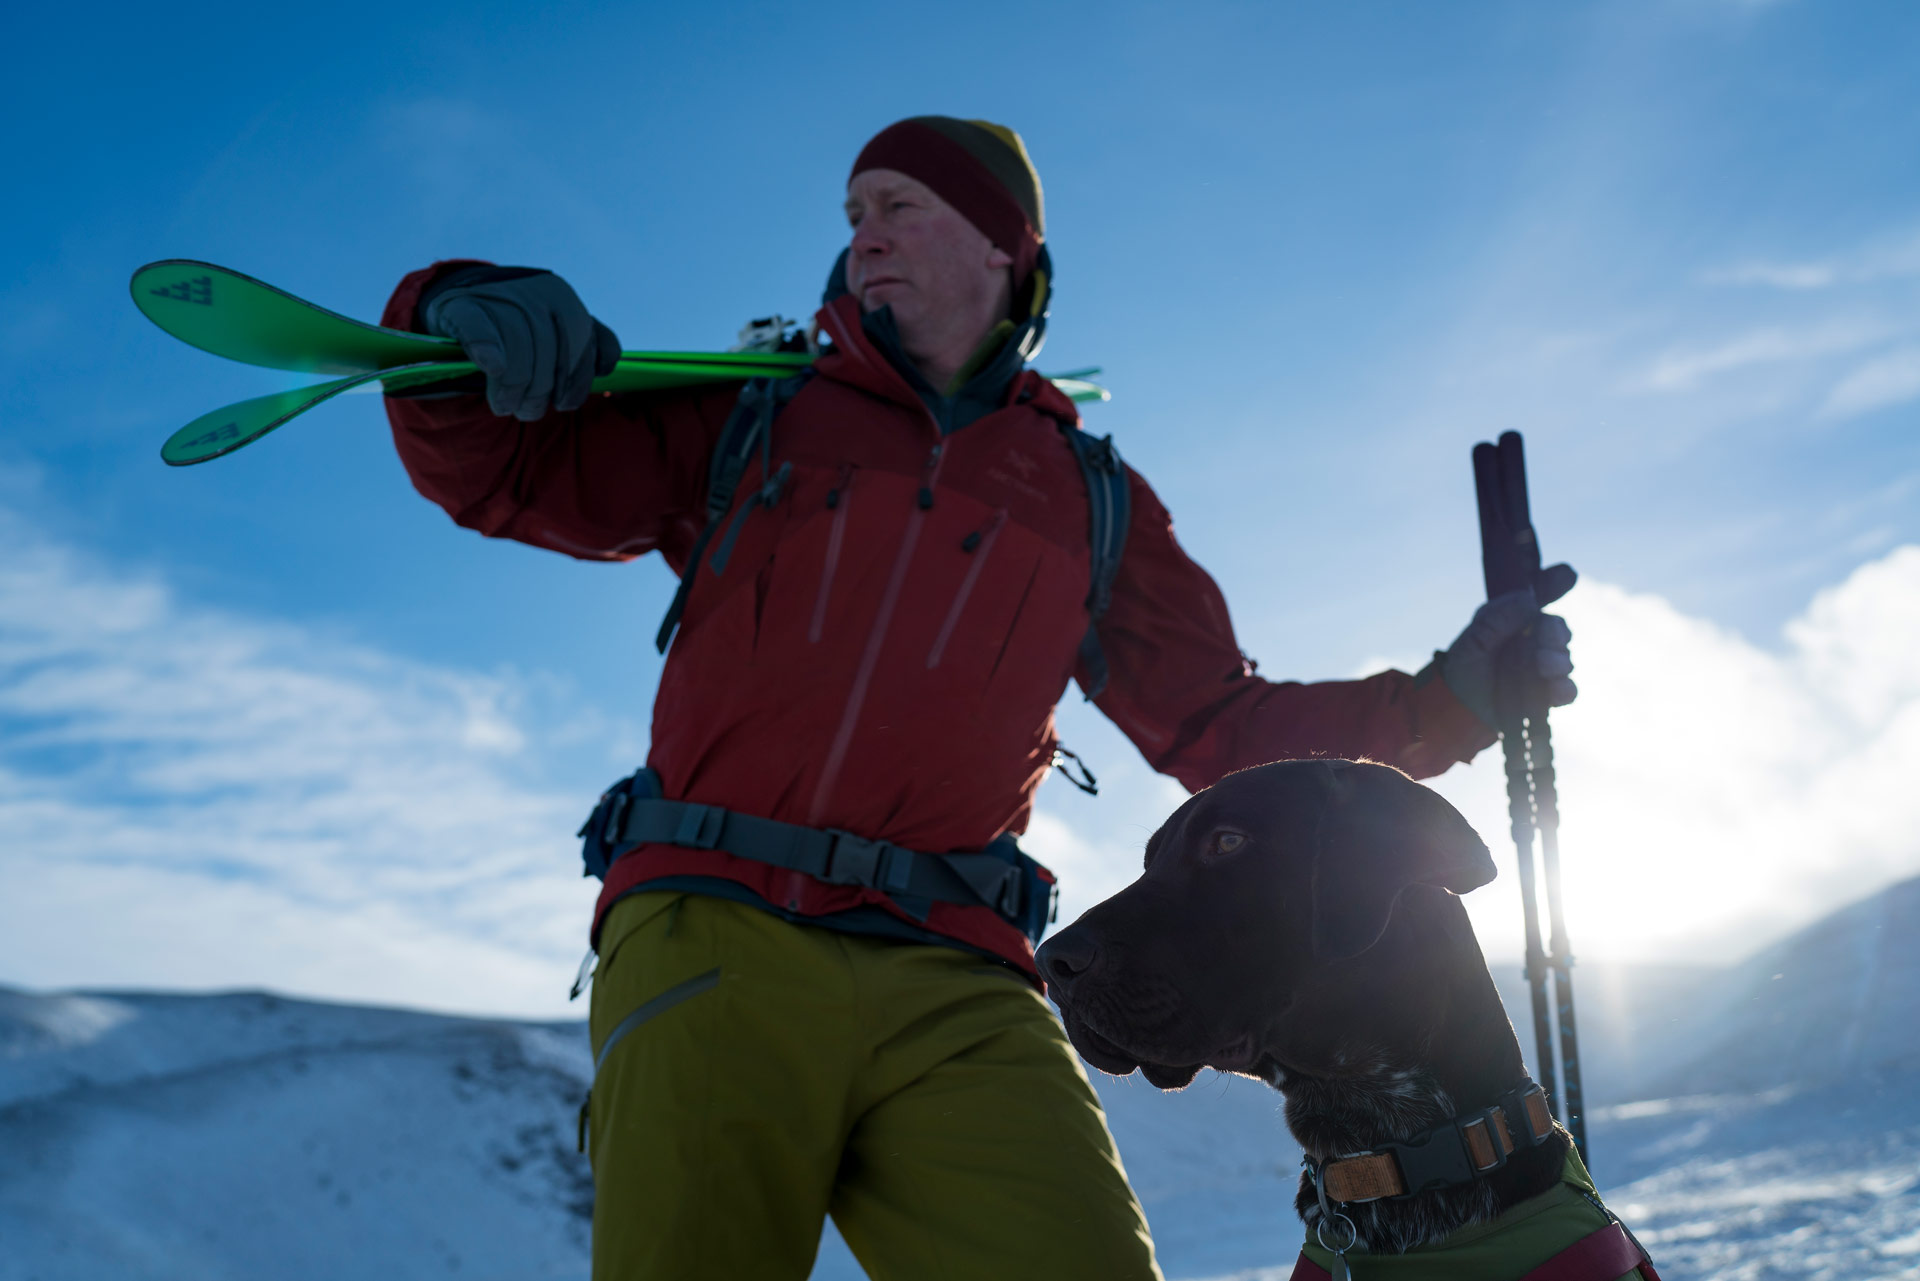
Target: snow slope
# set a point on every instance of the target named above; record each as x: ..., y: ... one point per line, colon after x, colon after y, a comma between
x: 246, y: 1135
x: 250, y: 1136
x: 1839, y: 1001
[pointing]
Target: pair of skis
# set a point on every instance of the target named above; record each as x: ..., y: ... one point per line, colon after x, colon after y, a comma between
x: 1510, y: 557
x: 233, y: 315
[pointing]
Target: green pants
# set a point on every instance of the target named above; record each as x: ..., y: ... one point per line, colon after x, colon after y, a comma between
x: 755, y: 1076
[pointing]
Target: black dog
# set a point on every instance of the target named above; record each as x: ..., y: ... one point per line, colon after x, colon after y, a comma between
x: 1299, y: 923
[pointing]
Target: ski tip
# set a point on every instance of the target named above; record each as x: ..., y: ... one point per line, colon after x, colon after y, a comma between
x: 201, y: 441
x: 180, y: 279
x: 222, y: 431
x: 1079, y: 390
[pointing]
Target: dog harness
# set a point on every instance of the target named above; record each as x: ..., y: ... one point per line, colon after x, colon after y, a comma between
x: 1564, y: 1234
x: 1605, y: 1255
x: 1458, y: 1150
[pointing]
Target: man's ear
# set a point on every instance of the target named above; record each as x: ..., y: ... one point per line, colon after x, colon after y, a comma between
x: 1379, y: 833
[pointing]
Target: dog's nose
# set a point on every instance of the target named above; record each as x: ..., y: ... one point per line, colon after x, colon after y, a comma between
x: 1066, y: 956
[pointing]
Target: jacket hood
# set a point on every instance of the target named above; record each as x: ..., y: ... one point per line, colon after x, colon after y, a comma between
x: 989, y: 384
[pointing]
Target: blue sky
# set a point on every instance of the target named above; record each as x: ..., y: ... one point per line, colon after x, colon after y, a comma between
x: 1319, y: 250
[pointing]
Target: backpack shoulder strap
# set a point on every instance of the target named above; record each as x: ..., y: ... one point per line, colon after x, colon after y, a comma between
x: 749, y: 427
x: 1109, y: 504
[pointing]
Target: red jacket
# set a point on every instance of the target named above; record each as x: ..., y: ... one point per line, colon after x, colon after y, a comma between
x: 855, y: 666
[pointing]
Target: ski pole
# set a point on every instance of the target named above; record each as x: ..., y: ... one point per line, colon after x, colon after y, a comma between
x: 1546, y: 802
x: 1510, y: 558
x: 1521, y: 820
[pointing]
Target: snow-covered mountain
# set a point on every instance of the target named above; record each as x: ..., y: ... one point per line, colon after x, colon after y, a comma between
x: 249, y: 1136
x: 1751, y: 1126
x: 1835, y: 1003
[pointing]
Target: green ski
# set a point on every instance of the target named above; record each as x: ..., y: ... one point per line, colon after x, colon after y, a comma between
x: 225, y: 430
x: 248, y: 320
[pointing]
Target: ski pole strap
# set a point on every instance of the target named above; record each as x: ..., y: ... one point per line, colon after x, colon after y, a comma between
x: 1001, y: 877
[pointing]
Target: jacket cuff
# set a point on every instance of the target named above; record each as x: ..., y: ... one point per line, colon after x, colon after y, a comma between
x: 405, y: 302
x: 1445, y: 731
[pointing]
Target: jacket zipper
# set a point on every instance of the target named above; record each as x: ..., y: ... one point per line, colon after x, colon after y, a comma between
x: 837, y: 498
x: 980, y: 550
x: 876, y: 638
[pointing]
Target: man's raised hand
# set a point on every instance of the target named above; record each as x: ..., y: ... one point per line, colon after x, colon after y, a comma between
x: 1468, y: 665
x: 528, y: 332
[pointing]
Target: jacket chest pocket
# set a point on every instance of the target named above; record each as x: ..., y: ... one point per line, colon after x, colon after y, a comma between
x: 978, y: 545
x: 850, y: 568
x: 727, y: 604
x: 1005, y: 621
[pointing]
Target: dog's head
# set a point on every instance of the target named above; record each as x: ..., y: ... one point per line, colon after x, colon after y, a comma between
x: 1274, y: 925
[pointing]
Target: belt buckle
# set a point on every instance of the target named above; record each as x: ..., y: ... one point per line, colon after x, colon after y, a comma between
x: 616, y: 811
x: 1441, y: 1161
x: 852, y: 860
x: 1012, y: 893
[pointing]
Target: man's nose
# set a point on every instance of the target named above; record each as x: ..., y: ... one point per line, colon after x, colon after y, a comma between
x: 1068, y: 956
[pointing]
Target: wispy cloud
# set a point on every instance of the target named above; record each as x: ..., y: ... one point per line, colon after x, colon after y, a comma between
x: 188, y: 796
x: 1777, y: 275
x: 1891, y: 379
x: 1683, y: 368
x: 1886, y: 258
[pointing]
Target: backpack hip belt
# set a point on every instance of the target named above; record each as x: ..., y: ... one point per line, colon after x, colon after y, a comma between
x: 633, y: 813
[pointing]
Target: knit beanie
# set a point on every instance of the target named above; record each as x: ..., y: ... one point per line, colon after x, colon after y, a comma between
x: 978, y: 167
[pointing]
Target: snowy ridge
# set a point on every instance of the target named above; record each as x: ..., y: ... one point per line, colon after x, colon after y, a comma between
x: 247, y: 1136
x: 1750, y: 1127
x: 1838, y: 1001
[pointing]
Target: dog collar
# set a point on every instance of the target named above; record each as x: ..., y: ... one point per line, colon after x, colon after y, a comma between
x: 1458, y: 1150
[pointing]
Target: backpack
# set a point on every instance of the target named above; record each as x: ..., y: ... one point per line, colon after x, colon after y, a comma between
x: 749, y: 428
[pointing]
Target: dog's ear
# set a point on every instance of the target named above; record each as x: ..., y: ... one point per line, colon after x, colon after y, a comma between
x: 1379, y: 833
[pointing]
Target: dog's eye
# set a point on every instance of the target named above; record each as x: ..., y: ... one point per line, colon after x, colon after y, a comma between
x: 1227, y: 842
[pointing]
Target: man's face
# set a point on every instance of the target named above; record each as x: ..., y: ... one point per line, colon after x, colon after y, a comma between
x: 914, y: 252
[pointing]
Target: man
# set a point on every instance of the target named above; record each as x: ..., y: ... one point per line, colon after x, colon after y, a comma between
x: 790, y: 1020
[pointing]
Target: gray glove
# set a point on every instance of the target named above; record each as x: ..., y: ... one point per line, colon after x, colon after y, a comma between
x: 527, y: 331
x: 1468, y: 665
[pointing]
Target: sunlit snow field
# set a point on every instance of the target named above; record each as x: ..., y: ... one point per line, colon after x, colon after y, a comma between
x: 1757, y: 1123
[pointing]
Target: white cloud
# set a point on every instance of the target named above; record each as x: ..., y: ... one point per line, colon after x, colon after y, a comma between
x: 1886, y: 258
x: 1096, y: 863
x: 1860, y: 641
x: 1778, y: 275
x: 1892, y: 379
x: 1715, y: 793
x: 192, y: 798
x: 1681, y: 369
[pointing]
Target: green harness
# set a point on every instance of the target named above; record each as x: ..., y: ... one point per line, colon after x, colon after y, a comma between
x: 1520, y: 1243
